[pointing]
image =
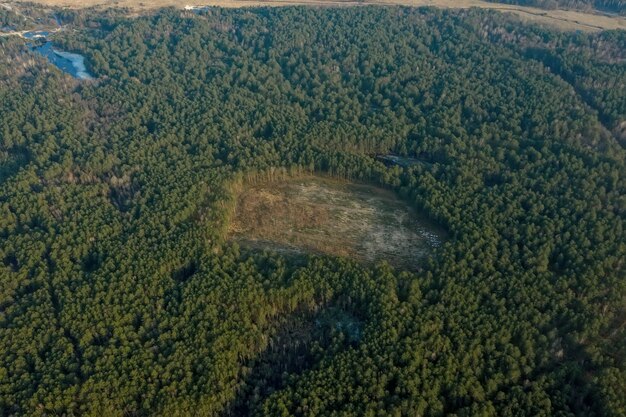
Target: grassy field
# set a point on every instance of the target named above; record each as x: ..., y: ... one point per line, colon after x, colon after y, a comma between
x: 563, y: 19
x: 316, y: 215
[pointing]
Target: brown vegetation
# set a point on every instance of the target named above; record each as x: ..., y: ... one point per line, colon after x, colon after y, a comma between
x: 563, y: 19
x: 320, y: 215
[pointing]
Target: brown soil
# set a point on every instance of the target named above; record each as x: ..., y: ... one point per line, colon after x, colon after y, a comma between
x: 324, y: 216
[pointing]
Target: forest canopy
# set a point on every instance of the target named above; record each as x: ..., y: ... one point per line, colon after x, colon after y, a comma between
x: 119, y: 294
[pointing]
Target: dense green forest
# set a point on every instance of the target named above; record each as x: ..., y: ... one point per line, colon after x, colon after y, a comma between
x: 119, y: 295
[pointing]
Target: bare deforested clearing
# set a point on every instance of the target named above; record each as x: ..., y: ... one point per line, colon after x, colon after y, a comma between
x: 333, y: 217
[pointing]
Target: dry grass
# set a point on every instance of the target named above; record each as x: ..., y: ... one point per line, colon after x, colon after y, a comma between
x: 332, y: 217
x: 563, y: 19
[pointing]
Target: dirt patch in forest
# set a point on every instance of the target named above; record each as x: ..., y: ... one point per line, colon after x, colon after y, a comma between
x: 326, y: 216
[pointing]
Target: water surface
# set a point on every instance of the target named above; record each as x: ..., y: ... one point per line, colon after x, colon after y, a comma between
x: 71, y: 63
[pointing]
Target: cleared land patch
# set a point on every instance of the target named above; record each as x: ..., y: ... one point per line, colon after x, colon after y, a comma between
x: 326, y: 216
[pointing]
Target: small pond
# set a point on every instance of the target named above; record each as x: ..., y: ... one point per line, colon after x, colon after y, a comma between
x: 71, y: 63
x: 36, y: 34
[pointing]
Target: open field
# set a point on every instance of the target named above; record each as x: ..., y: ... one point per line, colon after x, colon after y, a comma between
x: 332, y: 217
x: 563, y: 19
